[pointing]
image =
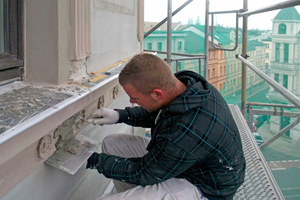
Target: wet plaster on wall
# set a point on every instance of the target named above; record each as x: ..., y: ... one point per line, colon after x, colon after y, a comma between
x: 78, y: 70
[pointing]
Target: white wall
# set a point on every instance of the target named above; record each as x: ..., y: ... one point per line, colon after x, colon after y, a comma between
x: 114, y: 32
x: 114, y: 37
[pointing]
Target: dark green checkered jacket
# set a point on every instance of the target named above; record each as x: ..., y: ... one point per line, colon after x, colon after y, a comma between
x: 194, y: 138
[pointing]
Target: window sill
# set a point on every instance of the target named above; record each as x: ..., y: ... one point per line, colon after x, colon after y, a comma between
x: 48, y: 116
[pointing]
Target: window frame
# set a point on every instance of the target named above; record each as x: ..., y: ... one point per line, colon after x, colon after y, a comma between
x: 149, y: 46
x: 285, y: 81
x: 11, y: 64
x: 179, y: 47
x: 159, y: 46
x: 282, y: 28
x: 286, y: 52
x: 277, y: 52
x: 276, y: 77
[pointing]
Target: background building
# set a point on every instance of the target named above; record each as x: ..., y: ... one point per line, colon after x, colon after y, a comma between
x: 285, y: 63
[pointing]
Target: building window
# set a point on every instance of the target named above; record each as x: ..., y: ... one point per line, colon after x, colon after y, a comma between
x: 277, y: 52
x: 159, y: 46
x: 224, y: 70
x: 213, y: 54
x: 149, y: 46
x: 179, y: 45
x: 286, y: 53
x: 221, y: 71
x: 267, y: 55
x: 11, y: 39
x: 267, y: 66
x: 208, y: 73
x: 213, y: 73
x: 268, y: 46
x: 276, y: 77
x: 282, y: 29
x: 285, y: 81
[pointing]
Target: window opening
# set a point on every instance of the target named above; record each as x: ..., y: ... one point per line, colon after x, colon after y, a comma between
x: 282, y: 29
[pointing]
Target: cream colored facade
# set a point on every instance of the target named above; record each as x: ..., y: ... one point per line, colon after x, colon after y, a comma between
x: 285, y: 64
x: 69, y: 45
x: 234, y: 68
x: 268, y: 42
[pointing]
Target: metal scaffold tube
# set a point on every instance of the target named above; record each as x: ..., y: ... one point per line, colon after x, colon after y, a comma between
x: 244, y: 68
x: 206, y: 40
x: 285, y: 4
x: 169, y: 33
x: 282, y: 90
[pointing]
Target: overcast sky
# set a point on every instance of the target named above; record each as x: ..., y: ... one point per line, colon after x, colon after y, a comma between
x: 156, y: 10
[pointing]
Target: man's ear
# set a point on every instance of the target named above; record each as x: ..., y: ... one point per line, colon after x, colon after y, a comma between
x: 157, y: 94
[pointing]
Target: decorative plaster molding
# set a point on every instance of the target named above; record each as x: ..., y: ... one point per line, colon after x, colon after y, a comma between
x: 115, y: 92
x: 80, y: 29
x: 101, y: 102
x: 46, y: 146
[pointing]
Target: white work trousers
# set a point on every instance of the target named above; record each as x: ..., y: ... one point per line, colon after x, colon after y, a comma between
x: 128, y: 145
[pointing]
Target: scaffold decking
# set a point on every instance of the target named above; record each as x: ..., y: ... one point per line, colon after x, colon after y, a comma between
x: 259, y: 180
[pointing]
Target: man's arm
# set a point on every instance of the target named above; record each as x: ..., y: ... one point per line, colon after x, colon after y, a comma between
x: 162, y: 162
x: 136, y: 116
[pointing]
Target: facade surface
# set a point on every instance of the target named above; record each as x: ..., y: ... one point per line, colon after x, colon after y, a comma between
x: 72, y: 48
x: 285, y: 63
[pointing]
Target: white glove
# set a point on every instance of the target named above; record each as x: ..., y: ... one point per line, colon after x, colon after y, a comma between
x: 104, y: 116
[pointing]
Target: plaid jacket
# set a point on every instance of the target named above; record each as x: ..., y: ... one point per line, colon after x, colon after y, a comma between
x: 194, y: 138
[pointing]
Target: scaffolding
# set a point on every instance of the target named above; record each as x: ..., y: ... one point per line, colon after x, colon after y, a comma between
x: 245, y: 106
x: 244, y: 13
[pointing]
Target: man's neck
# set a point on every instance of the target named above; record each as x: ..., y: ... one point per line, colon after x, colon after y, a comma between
x: 178, y: 89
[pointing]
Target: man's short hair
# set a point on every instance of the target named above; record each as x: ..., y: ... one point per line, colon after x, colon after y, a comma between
x: 147, y: 72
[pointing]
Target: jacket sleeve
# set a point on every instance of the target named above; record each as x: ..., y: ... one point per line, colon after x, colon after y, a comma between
x: 136, y: 116
x: 164, y: 161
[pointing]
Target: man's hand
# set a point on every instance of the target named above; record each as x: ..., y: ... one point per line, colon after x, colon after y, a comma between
x: 104, y: 116
x: 92, y: 162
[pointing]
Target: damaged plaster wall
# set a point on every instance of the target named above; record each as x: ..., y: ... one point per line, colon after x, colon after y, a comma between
x: 47, y: 60
x: 118, y: 18
x: 49, y: 183
x: 78, y: 70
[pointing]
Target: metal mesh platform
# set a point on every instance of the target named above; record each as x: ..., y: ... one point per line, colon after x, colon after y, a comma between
x: 259, y: 181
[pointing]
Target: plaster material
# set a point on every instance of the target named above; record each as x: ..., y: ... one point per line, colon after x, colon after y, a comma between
x: 78, y: 70
x: 18, y: 105
x: 74, y: 154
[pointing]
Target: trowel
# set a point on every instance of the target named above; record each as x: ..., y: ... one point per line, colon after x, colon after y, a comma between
x: 73, y: 154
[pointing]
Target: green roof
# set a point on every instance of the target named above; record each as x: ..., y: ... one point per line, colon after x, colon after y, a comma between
x: 288, y: 14
x: 197, y: 26
x: 222, y: 38
x: 194, y: 43
x: 222, y: 29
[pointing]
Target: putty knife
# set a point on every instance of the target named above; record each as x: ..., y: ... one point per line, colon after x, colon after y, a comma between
x: 73, y: 154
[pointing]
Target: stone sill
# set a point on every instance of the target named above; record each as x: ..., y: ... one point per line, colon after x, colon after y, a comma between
x: 99, y: 92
